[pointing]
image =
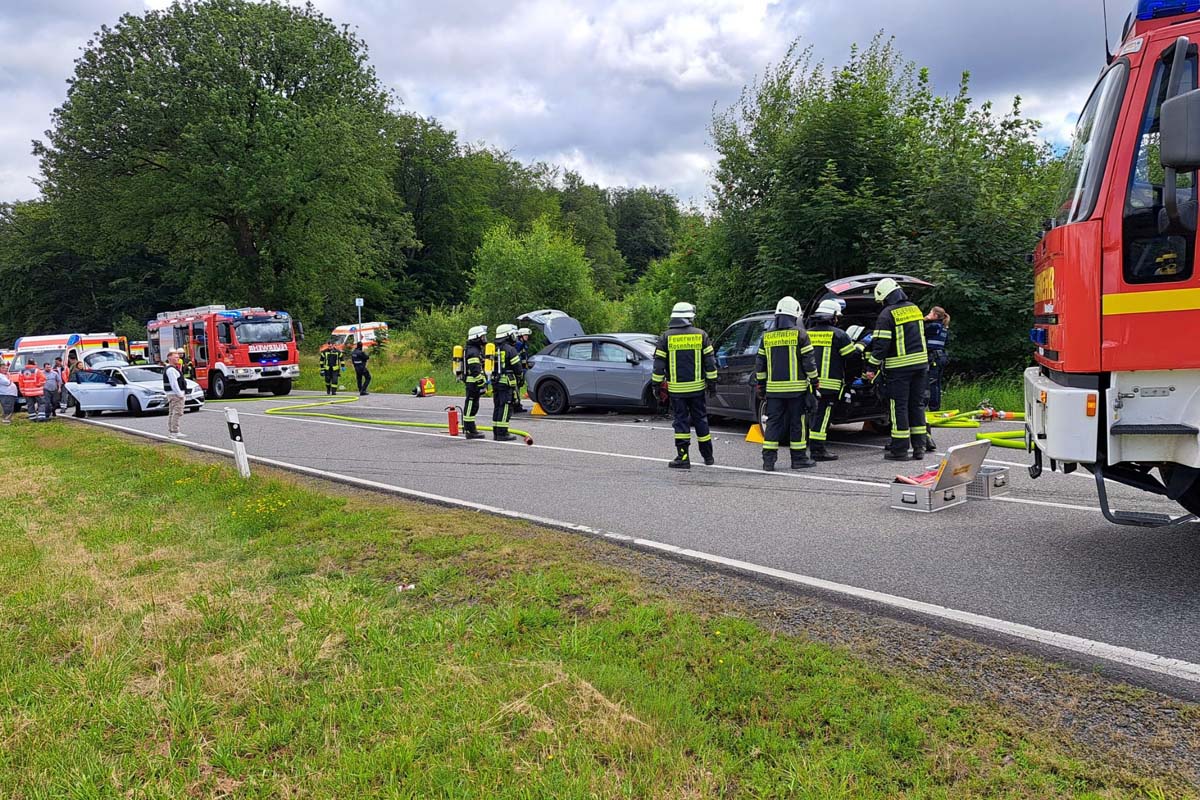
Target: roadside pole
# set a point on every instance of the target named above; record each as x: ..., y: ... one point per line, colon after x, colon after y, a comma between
x: 239, y: 446
x: 358, y: 302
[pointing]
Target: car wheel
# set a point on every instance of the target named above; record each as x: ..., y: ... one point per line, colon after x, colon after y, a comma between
x: 78, y: 412
x: 133, y: 405
x: 552, y: 397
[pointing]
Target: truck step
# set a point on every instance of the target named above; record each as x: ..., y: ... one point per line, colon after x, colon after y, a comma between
x: 1142, y: 519
x: 1154, y: 430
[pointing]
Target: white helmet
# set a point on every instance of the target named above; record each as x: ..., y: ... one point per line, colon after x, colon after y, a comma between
x: 684, y: 311
x: 524, y: 332
x: 884, y: 288
x: 477, y: 332
x: 789, y: 306
x: 855, y: 332
x: 829, y: 308
x: 506, y: 331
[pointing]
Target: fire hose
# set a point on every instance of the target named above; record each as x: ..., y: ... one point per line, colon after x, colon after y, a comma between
x: 293, y: 410
x: 1014, y: 440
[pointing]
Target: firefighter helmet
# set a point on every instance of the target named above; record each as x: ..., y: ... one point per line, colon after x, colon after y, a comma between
x: 506, y: 331
x: 788, y: 306
x: 884, y: 288
x: 829, y: 308
x: 477, y: 333
x: 524, y: 332
x: 684, y: 311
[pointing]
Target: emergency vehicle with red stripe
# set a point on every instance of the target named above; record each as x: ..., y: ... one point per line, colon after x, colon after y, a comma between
x: 228, y: 350
x: 1116, y: 388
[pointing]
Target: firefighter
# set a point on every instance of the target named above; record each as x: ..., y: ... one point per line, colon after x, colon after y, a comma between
x: 836, y: 356
x: 684, y: 359
x: 787, y: 380
x: 522, y: 345
x: 898, y: 346
x: 506, y: 376
x: 937, y: 335
x: 474, y: 378
x: 332, y: 367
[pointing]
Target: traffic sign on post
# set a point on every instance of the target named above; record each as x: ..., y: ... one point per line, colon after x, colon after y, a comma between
x: 358, y: 302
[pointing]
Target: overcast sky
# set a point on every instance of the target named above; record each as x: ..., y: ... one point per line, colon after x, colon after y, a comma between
x: 620, y: 90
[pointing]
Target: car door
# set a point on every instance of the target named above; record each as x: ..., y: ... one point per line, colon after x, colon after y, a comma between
x: 577, y: 370
x: 620, y: 379
x: 93, y: 392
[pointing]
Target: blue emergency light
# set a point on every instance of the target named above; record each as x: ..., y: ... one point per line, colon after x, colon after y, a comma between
x: 1039, y: 336
x: 1157, y: 9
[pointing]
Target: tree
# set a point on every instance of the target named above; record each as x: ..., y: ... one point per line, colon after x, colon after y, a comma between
x: 519, y: 272
x: 585, y: 212
x: 645, y: 221
x: 243, y: 141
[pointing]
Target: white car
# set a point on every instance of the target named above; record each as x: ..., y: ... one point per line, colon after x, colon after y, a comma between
x: 112, y: 387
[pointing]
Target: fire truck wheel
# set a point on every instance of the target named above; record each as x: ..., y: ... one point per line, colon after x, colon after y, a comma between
x: 135, y: 407
x: 221, y: 388
x: 282, y: 388
x: 1190, y: 499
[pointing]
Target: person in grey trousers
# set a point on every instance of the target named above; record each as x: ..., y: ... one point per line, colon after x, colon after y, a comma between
x: 8, y: 394
x: 53, y: 391
x: 175, y: 388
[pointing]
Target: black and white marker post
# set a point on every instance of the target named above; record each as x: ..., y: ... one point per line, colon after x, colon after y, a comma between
x: 239, y: 446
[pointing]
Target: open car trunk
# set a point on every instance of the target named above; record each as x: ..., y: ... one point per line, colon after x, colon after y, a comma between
x: 858, y: 293
x: 554, y: 325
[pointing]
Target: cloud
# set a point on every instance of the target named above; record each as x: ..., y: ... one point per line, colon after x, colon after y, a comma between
x: 621, y: 90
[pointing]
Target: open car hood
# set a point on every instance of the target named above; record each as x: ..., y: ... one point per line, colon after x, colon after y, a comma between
x: 554, y: 325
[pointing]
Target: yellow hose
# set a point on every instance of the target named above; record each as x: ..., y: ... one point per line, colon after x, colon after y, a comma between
x: 293, y: 411
x: 1005, y: 439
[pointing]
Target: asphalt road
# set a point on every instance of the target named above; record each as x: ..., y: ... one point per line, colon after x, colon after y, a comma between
x: 1044, y: 557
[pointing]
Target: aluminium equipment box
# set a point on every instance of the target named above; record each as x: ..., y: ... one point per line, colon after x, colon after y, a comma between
x: 950, y: 488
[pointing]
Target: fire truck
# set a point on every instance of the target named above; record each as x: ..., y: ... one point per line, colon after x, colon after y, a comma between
x: 227, y: 350
x: 1116, y: 386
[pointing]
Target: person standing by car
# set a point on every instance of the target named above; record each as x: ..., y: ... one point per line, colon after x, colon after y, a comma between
x: 937, y: 336
x: 787, y: 380
x: 52, y: 388
x: 8, y: 395
x: 63, y: 374
x: 362, y: 375
x: 684, y: 359
x: 835, y: 354
x: 474, y: 378
x: 175, y: 387
x: 331, y: 367
x: 31, y: 382
x: 508, y: 373
x: 898, y: 346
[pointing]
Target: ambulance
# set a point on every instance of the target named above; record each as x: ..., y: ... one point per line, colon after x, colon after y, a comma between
x: 344, y: 337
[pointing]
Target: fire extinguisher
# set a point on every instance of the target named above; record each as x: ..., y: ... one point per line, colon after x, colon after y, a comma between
x: 454, y: 414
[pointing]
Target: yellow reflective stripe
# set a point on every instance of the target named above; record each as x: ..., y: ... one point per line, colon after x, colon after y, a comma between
x: 832, y: 384
x: 882, y: 334
x: 787, y: 386
x: 1151, y: 302
x: 848, y: 349
x: 826, y: 358
x: 690, y: 386
x: 910, y: 360
x: 762, y: 376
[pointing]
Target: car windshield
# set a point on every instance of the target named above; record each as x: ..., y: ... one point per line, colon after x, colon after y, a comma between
x: 39, y: 357
x: 266, y: 331
x: 105, y: 358
x: 140, y: 374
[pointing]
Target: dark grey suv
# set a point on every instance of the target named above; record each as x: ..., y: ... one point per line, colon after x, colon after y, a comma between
x: 737, y: 350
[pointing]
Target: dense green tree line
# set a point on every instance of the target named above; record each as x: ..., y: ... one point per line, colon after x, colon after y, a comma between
x: 245, y: 153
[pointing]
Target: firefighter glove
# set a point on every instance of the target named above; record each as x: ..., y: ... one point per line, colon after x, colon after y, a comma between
x: 761, y: 391
x: 815, y: 385
x: 663, y: 392
x: 711, y: 388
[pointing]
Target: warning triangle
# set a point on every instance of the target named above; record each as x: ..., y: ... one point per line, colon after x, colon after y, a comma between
x: 755, y: 434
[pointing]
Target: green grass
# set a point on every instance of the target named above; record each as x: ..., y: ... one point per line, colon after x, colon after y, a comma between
x: 1003, y: 392
x: 181, y: 633
x: 394, y: 372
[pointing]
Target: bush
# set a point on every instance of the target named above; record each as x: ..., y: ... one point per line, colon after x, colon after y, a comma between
x: 435, y: 331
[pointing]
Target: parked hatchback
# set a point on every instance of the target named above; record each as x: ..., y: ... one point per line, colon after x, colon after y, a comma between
x: 737, y: 350
x: 610, y: 370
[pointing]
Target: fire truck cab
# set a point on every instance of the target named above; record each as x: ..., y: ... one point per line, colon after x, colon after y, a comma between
x: 1116, y: 388
x: 227, y: 350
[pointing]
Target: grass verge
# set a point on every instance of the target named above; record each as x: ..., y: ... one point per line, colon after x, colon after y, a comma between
x: 179, y: 632
x: 1003, y: 392
x: 394, y: 372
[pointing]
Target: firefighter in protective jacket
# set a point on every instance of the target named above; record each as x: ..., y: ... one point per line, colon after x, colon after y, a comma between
x: 787, y: 380
x: 899, y: 347
x: 684, y: 358
x: 331, y: 367
x: 508, y: 373
x: 837, y: 357
x: 474, y: 378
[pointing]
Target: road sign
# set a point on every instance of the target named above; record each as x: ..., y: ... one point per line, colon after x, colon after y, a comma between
x: 358, y: 302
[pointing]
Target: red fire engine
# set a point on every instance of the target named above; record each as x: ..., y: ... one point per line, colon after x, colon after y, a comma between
x: 1116, y: 388
x: 227, y: 350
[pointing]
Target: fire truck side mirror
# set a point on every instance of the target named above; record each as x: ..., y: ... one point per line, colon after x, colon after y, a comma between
x: 299, y: 331
x: 1179, y: 127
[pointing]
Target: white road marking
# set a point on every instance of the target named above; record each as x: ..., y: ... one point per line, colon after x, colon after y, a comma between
x: 1172, y: 667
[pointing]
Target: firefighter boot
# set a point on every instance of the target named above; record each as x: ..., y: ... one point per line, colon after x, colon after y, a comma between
x: 895, y: 455
x: 472, y: 432
x: 918, y: 448
x: 706, y: 451
x: 501, y: 434
x: 800, y: 460
x: 681, y: 458
x: 769, y: 458
x: 819, y: 453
